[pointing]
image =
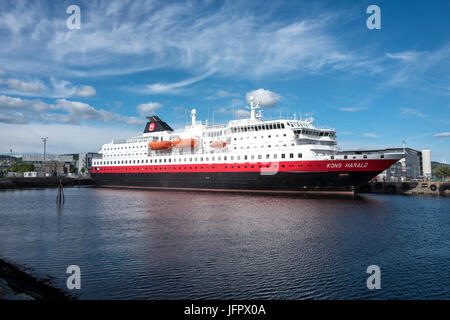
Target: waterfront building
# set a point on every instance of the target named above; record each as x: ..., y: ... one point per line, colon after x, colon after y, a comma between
x: 415, y: 165
x: 426, y: 163
x: 35, y: 158
x: 85, y: 161
x: 55, y: 165
x: 33, y: 174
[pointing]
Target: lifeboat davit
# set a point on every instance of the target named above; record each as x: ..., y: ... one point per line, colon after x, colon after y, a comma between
x: 160, y: 145
x: 184, y: 143
x: 218, y: 144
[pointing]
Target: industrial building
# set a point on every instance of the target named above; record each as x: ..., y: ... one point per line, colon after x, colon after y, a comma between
x: 415, y: 165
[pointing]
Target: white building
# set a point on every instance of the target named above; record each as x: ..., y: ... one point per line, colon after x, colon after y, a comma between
x: 426, y: 163
x: 33, y: 174
x: 85, y: 161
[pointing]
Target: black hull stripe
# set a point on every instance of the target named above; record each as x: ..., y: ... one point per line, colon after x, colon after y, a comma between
x: 281, y: 181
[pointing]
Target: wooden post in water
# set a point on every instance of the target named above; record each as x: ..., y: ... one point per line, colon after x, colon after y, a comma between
x: 60, y: 196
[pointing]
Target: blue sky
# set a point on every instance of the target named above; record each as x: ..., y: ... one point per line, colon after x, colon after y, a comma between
x: 130, y: 59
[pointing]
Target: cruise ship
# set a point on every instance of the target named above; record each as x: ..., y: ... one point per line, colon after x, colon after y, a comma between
x: 248, y: 155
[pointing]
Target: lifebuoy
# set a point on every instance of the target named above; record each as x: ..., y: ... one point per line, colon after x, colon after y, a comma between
x: 433, y: 187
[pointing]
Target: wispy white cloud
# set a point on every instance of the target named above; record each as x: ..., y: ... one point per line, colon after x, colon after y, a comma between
x: 173, y: 88
x: 122, y: 37
x: 65, y: 89
x: 148, y: 108
x: 442, y: 135
x: 405, y: 56
x: 371, y: 135
x: 425, y: 70
x: 221, y: 94
x: 56, y: 88
x: 26, y: 87
x: 353, y: 109
x: 17, y: 110
x: 412, y: 112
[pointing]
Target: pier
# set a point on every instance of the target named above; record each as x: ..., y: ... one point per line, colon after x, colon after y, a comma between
x: 431, y: 188
x: 42, y: 182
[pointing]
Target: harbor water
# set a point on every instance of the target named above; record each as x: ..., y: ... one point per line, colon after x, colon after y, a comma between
x: 138, y: 244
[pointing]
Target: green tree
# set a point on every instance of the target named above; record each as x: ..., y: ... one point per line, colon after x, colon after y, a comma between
x: 441, y: 172
x: 22, y: 167
x: 83, y: 170
x: 74, y: 170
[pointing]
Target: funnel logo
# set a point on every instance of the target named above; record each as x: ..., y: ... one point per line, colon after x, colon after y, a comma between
x: 151, y: 126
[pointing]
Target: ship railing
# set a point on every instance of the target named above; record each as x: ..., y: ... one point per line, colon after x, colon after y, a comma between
x: 133, y: 140
x: 359, y: 152
x: 185, y: 151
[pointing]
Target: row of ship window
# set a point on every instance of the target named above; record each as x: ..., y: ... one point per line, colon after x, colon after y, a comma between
x: 190, y: 159
x: 258, y: 127
x: 131, y: 147
x: 315, y: 133
x: 269, y: 136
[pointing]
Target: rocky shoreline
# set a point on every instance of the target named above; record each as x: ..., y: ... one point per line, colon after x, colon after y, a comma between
x: 16, y: 284
x: 42, y: 182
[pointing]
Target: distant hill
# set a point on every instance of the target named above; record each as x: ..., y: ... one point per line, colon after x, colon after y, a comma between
x: 4, y: 157
x: 435, y: 164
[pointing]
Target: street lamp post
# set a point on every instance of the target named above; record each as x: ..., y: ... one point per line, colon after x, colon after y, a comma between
x: 44, y: 140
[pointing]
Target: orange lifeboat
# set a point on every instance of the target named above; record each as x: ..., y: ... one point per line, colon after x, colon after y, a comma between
x: 184, y: 143
x: 160, y: 145
x: 218, y: 144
